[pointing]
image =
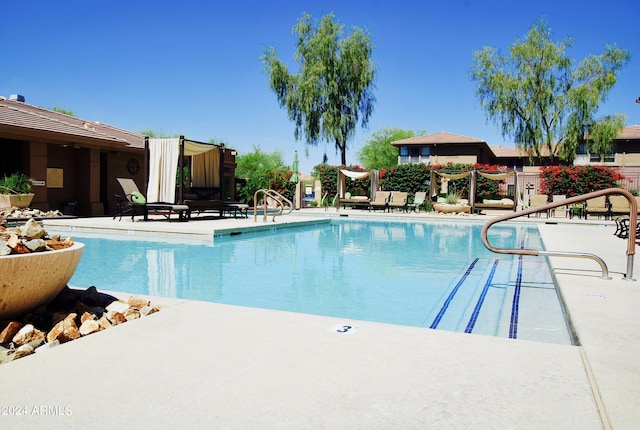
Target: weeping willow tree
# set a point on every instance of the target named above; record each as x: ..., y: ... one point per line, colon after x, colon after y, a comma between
x: 333, y: 90
x: 538, y: 96
x: 603, y: 132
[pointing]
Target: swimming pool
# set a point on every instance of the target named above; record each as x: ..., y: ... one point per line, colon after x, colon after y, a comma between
x: 425, y: 274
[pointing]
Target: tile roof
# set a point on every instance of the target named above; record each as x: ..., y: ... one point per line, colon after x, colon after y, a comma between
x: 440, y: 137
x: 630, y: 132
x: 512, y: 151
x: 20, y: 115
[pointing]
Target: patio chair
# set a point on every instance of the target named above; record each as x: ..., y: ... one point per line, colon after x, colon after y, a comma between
x: 381, y: 200
x: 134, y: 202
x: 561, y: 209
x: 398, y: 201
x: 622, y: 226
x: 620, y: 210
x: 418, y: 201
x: 597, y: 206
x: 619, y: 205
x: 538, y: 200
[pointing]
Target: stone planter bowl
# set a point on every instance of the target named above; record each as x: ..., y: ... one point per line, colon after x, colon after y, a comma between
x: 449, y: 208
x: 31, y: 280
x: 17, y: 200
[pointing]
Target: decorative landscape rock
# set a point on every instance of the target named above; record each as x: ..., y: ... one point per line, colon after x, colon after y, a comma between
x: 32, y: 230
x: 65, y: 330
x: 30, y: 237
x: 71, y: 315
x: 8, y: 331
x: 25, y: 213
x: 29, y: 335
x: 89, y: 326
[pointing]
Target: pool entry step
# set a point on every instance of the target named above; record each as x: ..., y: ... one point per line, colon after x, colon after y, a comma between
x: 502, y: 298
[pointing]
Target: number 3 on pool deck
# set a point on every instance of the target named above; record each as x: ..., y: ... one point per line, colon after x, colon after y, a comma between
x: 344, y: 329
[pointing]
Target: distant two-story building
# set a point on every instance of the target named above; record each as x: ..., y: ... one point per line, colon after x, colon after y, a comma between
x: 444, y: 147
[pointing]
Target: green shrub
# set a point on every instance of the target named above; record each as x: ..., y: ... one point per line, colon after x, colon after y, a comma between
x: 452, y: 198
x: 17, y: 183
x: 409, y: 178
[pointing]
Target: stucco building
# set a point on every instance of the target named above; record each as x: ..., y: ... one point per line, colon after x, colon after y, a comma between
x: 75, y: 162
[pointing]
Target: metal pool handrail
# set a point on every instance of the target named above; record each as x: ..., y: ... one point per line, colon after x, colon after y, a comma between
x: 631, y: 241
x: 277, y: 197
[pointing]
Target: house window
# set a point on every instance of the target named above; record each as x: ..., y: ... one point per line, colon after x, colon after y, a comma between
x: 414, y: 155
x: 404, y: 155
x: 609, y: 157
x: 583, y: 154
x: 582, y: 149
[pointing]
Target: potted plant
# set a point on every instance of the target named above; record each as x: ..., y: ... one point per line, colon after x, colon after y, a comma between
x: 15, y: 191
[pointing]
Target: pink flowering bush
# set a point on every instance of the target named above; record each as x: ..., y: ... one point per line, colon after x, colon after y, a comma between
x: 576, y: 180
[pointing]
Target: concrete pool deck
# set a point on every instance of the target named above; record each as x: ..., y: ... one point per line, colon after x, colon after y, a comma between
x: 205, y: 365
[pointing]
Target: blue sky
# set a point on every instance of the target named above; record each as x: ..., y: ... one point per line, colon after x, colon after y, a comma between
x: 193, y: 67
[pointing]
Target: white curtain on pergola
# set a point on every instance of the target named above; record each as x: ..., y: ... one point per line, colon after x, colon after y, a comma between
x: 163, y: 162
x: 205, y: 164
x: 163, y: 165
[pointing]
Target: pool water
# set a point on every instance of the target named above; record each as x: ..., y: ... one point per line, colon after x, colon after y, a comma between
x: 424, y: 274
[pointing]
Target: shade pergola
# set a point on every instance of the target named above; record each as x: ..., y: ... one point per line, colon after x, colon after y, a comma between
x: 343, y: 174
x: 450, y: 176
x: 494, y: 176
x: 166, y: 156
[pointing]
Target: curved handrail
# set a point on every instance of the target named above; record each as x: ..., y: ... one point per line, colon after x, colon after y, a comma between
x: 631, y: 243
x: 277, y: 197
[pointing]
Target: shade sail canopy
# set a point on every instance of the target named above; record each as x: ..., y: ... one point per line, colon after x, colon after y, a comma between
x: 496, y: 176
x: 453, y: 176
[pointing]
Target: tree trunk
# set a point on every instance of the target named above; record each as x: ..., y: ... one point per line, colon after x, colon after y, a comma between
x: 343, y: 152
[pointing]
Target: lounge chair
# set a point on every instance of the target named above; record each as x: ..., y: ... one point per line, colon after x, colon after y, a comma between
x: 597, y: 206
x: 361, y: 202
x: 418, y: 201
x: 538, y: 200
x: 381, y: 200
x: 398, y: 201
x: 490, y: 204
x: 134, y: 201
x: 237, y: 208
x: 204, y: 199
